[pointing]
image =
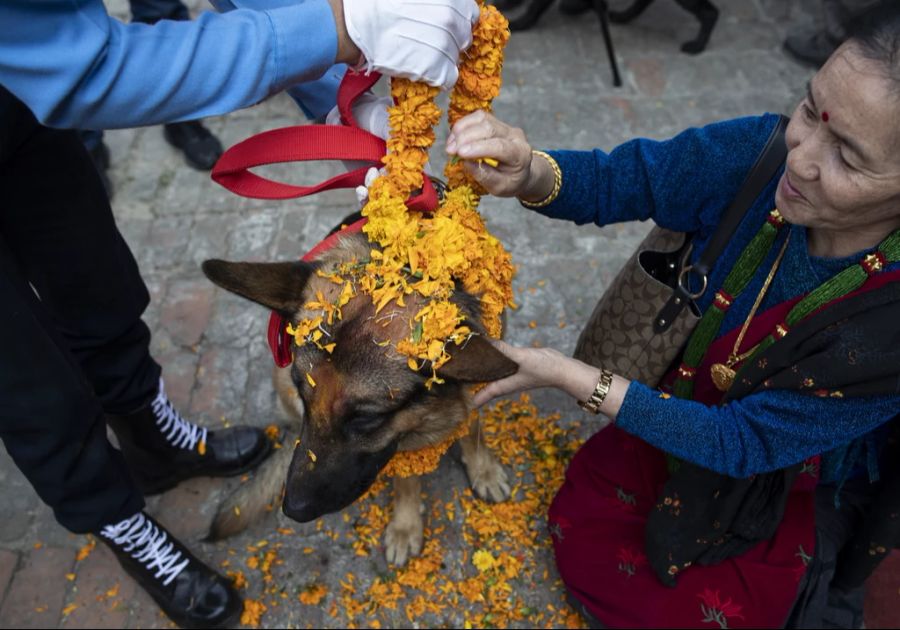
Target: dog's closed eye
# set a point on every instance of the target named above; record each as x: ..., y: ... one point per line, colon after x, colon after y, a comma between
x: 364, y: 423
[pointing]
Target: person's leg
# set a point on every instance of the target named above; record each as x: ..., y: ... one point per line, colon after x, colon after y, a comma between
x: 68, y: 247
x: 99, y: 152
x: 50, y: 422
x: 57, y: 372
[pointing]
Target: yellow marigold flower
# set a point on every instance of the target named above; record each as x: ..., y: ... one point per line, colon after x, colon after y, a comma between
x: 483, y: 560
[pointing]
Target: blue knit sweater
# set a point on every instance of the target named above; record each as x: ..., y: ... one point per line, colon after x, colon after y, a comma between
x: 685, y: 184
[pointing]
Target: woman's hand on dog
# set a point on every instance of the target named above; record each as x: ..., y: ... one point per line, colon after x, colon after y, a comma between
x: 546, y: 367
x: 538, y: 367
x: 481, y: 136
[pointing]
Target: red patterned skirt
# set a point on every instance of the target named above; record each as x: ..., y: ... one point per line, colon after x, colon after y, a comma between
x: 597, y: 522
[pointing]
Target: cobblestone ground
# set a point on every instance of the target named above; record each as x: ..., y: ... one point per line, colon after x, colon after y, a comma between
x: 557, y: 87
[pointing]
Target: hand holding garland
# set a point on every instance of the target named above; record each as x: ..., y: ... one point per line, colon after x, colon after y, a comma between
x: 519, y: 173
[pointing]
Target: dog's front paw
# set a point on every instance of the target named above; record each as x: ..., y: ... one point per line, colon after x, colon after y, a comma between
x: 403, y: 539
x: 487, y: 477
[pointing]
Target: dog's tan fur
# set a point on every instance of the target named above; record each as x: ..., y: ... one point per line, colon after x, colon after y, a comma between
x: 362, y: 382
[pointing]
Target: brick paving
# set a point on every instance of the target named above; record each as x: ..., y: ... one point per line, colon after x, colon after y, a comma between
x: 557, y: 87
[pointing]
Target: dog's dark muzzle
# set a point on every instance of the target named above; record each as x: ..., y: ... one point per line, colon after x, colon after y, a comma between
x: 331, y: 483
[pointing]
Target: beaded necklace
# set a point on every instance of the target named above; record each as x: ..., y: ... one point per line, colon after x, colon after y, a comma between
x: 838, y: 286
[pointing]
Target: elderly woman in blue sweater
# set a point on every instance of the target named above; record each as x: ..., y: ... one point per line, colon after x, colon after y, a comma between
x: 772, y: 475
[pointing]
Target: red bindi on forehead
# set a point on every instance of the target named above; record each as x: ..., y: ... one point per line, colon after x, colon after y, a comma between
x: 824, y: 116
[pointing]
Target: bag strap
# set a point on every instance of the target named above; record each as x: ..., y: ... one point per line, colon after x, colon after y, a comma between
x: 767, y: 164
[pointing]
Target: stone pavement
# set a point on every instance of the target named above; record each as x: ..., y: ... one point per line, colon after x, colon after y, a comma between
x: 557, y: 87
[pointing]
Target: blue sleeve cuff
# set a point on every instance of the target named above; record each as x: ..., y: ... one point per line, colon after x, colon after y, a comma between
x: 317, y: 98
x: 578, y: 187
x: 302, y: 52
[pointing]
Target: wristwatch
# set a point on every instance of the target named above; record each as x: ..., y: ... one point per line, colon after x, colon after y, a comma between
x: 593, y: 403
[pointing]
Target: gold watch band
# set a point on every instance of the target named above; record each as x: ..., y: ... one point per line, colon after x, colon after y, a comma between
x: 593, y: 403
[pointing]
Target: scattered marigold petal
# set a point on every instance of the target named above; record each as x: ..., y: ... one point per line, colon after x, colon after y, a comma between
x: 86, y: 550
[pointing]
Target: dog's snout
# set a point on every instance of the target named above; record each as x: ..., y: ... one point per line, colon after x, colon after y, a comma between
x: 334, y: 481
x: 300, y: 509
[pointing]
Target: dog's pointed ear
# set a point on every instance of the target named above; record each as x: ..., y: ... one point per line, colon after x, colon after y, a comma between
x: 278, y: 286
x: 478, y: 361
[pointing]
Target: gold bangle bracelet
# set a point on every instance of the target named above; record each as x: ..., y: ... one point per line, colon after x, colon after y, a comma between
x: 557, y: 183
x: 601, y: 391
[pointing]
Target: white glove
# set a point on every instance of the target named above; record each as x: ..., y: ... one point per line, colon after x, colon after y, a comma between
x: 415, y: 39
x: 362, y: 192
x: 370, y: 112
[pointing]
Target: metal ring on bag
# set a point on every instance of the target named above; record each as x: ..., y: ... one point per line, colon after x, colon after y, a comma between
x: 686, y: 270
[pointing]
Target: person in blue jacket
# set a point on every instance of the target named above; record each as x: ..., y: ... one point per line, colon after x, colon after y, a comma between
x: 199, y: 145
x: 75, y: 352
x: 729, y: 500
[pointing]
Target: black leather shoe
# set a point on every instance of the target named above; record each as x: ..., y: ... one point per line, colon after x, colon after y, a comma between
x: 188, y: 591
x: 100, y: 157
x: 200, y: 147
x: 163, y: 449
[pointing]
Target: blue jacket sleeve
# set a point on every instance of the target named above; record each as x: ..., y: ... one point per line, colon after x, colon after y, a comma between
x: 756, y: 434
x: 683, y: 184
x: 315, y: 98
x: 75, y: 66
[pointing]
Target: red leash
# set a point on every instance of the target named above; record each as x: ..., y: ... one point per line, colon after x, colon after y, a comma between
x: 303, y: 143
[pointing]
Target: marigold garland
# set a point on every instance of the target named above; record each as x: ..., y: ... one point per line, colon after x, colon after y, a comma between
x: 427, y: 254
x: 425, y: 460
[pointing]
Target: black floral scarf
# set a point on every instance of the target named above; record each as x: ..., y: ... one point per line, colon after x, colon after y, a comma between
x: 851, y: 347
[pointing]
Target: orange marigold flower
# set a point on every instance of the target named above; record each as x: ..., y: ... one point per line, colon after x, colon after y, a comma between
x: 253, y: 610
x: 312, y: 595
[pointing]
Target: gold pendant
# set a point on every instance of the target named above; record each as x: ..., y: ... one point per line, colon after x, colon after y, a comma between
x: 722, y: 376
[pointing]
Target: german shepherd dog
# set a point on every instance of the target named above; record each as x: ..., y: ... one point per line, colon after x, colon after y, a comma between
x: 366, y: 403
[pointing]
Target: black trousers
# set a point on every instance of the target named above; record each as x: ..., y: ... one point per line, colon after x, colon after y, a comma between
x: 72, y: 344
